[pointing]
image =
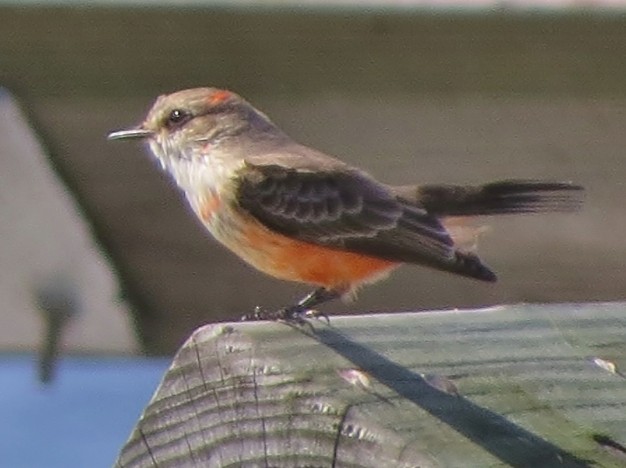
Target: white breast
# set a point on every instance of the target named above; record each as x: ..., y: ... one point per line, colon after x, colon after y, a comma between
x: 208, y: 182
x: 195, y: 170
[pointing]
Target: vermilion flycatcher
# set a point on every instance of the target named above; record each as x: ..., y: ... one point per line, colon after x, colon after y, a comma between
x: 301, y: 215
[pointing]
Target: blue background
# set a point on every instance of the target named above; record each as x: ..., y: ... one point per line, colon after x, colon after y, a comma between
x: 81, y: 419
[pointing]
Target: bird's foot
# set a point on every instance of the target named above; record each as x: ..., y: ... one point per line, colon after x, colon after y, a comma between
x: 317, y: 314
x: 296, y: 314
x: 261, y: 313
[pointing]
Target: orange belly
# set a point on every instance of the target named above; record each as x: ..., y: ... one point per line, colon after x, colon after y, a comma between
x: 286, y: 258
x: 295, y: 260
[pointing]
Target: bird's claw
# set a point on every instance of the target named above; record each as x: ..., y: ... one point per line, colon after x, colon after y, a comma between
x: 257, y: 314
x: 317, y: 314
x: 295, y: 315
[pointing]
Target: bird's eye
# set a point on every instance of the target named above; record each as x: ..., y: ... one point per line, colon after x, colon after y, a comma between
x: 177, y: 117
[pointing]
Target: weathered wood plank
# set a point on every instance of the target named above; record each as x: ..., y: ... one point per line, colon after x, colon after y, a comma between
x: 513, y: 385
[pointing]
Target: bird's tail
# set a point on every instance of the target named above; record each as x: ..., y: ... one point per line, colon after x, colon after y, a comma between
x: 495, y: 198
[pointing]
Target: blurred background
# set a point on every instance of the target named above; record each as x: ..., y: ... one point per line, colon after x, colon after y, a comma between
x: 410, y: 92
x: 99, y: 253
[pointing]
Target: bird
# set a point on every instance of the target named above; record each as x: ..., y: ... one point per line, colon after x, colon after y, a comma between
x: 301, y: 215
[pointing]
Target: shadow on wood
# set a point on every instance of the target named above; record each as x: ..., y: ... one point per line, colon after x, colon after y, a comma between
x: 510, y: 386
x: 493, y: 432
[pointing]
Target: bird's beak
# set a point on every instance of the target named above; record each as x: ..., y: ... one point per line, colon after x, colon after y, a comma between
x: 130, y: 134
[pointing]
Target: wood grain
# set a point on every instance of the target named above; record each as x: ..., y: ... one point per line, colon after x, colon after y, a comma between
x: 508, y: 386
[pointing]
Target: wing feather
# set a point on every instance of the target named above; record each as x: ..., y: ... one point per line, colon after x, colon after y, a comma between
x: 342, y: 209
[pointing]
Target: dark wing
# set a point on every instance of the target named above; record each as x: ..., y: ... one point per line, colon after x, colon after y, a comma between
x: 345, y: 209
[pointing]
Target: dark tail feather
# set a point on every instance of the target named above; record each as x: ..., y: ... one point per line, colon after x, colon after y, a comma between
x: 502, y: 197
x: 468, y: 264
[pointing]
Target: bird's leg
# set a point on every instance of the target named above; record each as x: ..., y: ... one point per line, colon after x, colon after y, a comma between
x: 296, y: 312
x: 308, y: 302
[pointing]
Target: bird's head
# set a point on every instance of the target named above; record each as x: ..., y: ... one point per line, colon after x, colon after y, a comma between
x: 192, y: 123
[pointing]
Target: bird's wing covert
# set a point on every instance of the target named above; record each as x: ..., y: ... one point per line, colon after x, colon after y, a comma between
x: 342, y: 208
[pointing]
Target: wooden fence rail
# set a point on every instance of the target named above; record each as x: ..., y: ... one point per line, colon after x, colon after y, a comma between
x: 524, y: 385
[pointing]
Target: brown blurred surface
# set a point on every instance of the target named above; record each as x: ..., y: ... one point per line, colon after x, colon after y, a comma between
x: 408, y: 97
